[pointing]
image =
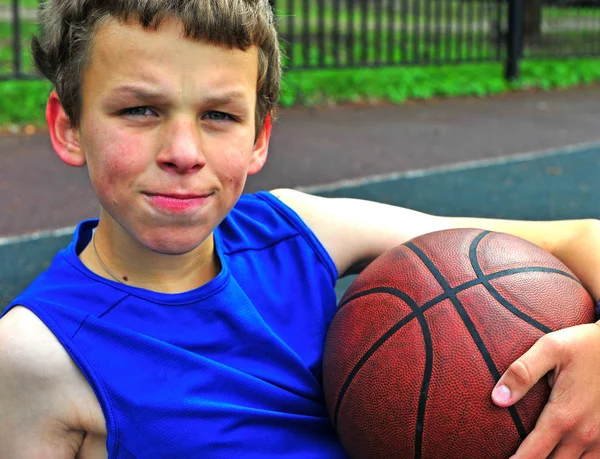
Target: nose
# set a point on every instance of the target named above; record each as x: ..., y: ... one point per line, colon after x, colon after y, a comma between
x: 182, y: 148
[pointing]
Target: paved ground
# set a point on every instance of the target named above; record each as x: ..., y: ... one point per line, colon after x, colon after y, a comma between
x: 321, y: 146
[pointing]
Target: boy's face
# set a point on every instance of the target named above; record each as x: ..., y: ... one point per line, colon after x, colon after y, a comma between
x: 167, y: 132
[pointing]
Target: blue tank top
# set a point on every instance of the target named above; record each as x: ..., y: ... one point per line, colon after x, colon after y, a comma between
x: 231, y: 369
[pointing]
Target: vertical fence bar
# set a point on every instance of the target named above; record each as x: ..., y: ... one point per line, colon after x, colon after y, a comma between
x: 586, y: 36
x: 514, y: 39
x: 416, y: 30
x: 336, y: 32
x: 438, y: 30
x: 470, y: 37
x: 391, y: 38
x: 403, y: 31
x: 291, y: 33
x: 364, y: 31
x: 378, y: 32
x: 321, y: 32
x: 16, y: 42
x: 427, y: 30
x: 350, y: 33
x: 597, y: 29
x: 443, y: 31
x: 499, y: 28
x: 481, y: 35
x: 306, y: 33
x: 466, y: 26
x: 485, y: 24
x: 460, y: 32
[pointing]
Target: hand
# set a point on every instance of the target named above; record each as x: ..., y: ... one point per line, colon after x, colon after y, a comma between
x: 569, y: 425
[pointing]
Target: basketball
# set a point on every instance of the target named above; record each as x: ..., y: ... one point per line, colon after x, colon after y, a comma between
x: 426, y: 330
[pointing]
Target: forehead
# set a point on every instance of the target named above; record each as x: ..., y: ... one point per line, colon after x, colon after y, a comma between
x: 123, y: 52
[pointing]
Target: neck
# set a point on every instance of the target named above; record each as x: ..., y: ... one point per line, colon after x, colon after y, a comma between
x: 130, y: 263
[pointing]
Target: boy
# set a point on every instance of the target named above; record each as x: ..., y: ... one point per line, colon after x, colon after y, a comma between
x: 188, y: 322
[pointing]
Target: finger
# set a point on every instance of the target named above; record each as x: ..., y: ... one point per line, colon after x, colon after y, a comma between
x: 591, y: 453
x: 578, y: 444
x: 524, y: 372
x: 542, y: 440
x: 568, y: 451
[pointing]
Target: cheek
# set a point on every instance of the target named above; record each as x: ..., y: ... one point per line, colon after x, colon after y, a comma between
x: 114, y: 160
x: 234, y: 169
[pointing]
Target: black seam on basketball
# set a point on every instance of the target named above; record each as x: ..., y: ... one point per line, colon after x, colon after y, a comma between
x: 479, y: 273
x: 495, y: 293
x: 530, y: 269
x: 466, y: 285
x: 487, y: 358
x: 416, y: 312
x: 359, y: 295
x: 375, y: 346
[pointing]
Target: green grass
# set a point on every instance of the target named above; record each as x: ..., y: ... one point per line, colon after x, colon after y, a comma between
x: 398, y: 84
x: 23, y: 101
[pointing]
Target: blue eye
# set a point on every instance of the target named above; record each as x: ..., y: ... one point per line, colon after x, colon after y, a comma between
x: 139, y: 111
x: 218, y: 116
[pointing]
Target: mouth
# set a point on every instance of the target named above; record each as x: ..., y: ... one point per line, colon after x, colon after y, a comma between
x: 179, y: 195
x: 177, y: 202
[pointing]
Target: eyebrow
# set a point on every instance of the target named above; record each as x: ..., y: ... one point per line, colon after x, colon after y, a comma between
x: 138, y: 92
x: 234, y: 97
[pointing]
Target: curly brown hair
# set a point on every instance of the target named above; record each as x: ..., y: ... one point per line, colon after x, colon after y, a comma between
x: 62, y: 48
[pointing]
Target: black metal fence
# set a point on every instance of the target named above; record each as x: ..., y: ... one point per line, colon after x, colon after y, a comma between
x: 370, y: 33
x: 352, y: 33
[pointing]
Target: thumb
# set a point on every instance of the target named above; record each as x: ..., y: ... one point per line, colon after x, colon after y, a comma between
x: 524, y: 372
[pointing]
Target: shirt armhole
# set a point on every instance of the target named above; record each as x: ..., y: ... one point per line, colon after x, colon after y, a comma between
x: 294, y: 219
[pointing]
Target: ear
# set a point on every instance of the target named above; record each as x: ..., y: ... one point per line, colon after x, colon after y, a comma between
x: 64, y: 137
x: 261, y: 147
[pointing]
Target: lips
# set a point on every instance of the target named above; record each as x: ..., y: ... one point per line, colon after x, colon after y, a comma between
x: 172, y: 195
x: 177, y: 202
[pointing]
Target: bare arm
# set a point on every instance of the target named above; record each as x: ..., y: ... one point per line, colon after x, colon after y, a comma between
x: 42, y: 398
x: 354, y: 232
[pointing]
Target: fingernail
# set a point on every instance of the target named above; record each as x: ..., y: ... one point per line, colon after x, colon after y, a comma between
x: 501, y: 394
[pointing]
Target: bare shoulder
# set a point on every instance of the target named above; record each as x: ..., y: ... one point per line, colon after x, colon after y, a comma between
x: 29, y: 348
x: 46, y: 405
x: 317, y: 213
x: 356, y: 231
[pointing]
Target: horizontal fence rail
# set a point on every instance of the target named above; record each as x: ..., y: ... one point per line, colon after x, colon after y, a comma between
x: 320, y: 34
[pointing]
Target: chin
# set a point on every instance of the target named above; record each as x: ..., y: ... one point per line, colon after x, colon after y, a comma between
x: 173, y: 247
x: 170, y: 241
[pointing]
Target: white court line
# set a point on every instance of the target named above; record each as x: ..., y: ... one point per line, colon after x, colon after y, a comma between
x: 349, y: 183
x: 36, y: 236
x: 456, y: 167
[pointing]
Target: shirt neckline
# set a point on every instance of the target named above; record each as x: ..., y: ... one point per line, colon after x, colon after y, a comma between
x: 82, y: 237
